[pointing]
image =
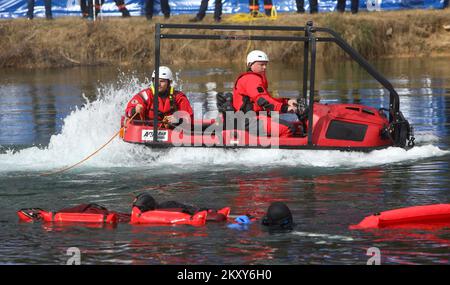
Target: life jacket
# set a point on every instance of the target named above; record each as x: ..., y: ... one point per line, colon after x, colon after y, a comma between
x: 148, y: 98
x: 241, y: 101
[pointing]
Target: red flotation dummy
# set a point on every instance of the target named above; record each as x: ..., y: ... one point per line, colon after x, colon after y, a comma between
x: 167, y: 217
x: 79, y: 218
x: 429, y: 214
x: 93, y: 213
x: 84, y: 213
x: 30, y: 215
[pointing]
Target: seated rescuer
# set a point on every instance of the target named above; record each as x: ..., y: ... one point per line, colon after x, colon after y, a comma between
x: 169, y: 101
x: 250, y: 94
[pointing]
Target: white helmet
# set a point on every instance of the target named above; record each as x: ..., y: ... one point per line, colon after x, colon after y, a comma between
x: 164, y: 73
x: 256, y: 55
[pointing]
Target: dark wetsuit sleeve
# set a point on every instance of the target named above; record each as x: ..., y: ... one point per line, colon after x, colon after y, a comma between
x: 176, y: 205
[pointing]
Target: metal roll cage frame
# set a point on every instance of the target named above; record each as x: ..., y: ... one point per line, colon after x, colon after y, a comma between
x: 309, y: 61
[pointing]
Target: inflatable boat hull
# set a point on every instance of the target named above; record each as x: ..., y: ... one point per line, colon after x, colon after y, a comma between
x: 338, y: 126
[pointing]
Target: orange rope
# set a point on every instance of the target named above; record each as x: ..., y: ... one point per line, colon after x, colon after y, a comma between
x: 95, y: 152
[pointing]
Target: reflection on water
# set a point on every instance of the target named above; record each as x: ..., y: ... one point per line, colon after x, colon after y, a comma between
x: 323, y: 205
x: 325, y: 198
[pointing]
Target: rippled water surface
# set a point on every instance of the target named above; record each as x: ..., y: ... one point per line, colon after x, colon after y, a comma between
x: 53, y: 118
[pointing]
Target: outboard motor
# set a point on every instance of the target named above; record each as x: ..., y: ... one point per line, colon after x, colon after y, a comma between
x: 403, y: 132
x: 400, y: 132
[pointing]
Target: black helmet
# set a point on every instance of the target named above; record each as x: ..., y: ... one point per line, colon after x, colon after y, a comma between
x: 278, y: 215
x: 144, y: 202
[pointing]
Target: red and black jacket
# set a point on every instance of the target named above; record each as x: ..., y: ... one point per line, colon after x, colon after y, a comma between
x: 250, y: 93
x: 167, y: 105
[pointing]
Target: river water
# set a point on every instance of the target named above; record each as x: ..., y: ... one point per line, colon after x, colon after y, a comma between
x: 53, y: 118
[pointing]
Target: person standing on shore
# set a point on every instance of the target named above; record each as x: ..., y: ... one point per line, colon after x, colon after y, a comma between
x: 341, y: 6
x: 86, y: 8
x: 48, y: 9
x: 313, y: 8
x: 202, y: 11
x: 254, y: 7
x: 165, y: 9
x: 445, y: 4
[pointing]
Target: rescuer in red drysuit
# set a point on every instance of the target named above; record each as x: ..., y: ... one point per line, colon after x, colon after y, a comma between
x: 169, y: 101
x: 253, y: 6
x: 250, y: 94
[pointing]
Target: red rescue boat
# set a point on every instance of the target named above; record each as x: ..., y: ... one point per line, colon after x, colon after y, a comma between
x: 319, y: 126
x: 337, y: 126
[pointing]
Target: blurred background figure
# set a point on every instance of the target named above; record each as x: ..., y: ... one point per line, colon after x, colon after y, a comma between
x: 313, y: 6
x: 254, y: 7
x: 86, y: 8
x: 48, y: 9
x: 165, y: 9
x: 202, y: 11
x: 341, y: 6
x: 122, y: 8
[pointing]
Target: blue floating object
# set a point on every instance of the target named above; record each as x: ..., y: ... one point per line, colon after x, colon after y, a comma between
x: 243, y: 220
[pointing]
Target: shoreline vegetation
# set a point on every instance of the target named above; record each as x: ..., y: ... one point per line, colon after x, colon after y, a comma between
x: 116, y: 41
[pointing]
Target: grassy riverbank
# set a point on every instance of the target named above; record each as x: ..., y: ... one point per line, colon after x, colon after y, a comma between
x: 129, y: 41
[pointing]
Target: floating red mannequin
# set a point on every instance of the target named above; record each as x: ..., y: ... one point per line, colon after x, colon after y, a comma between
x: 144, y: 211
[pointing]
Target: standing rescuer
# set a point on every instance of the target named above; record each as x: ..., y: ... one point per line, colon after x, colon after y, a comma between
x: 86, y: 8
x: 202, y: 11
x: 48, y: 9
x: 165, y: 8
x: 250, y: 94
x: 169, y: 100
x: 254, y: 7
